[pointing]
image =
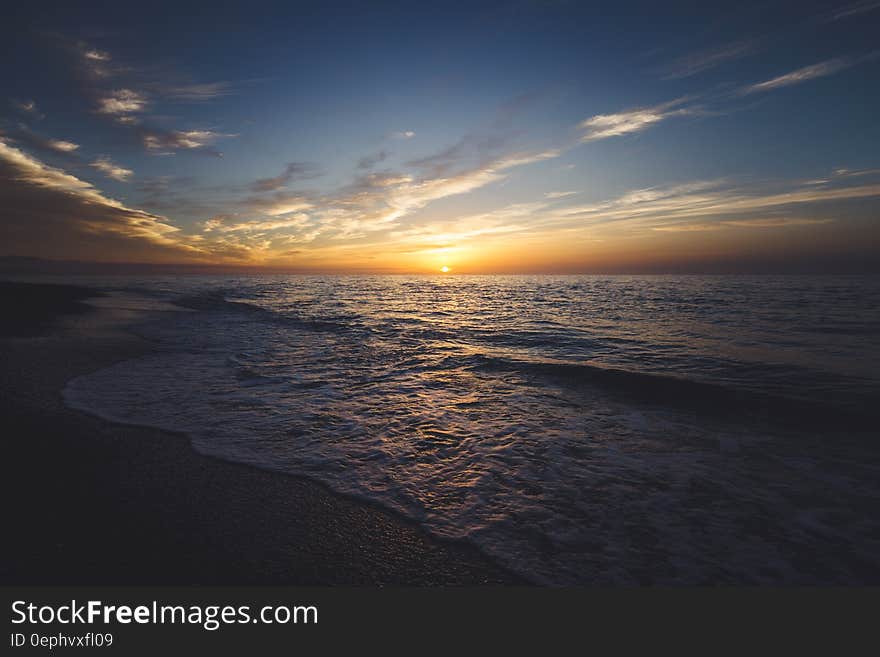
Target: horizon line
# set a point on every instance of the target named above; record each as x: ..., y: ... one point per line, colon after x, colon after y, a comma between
x: 24, y: 265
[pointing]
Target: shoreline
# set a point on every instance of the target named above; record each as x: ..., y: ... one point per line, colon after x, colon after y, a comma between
x: 96, y: 502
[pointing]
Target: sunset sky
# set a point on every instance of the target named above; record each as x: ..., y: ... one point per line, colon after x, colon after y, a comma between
x: 518, y: 136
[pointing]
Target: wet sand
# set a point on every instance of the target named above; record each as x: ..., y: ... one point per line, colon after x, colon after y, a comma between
x: 90, y: 502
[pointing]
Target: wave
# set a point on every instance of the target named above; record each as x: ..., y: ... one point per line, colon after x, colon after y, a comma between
x: 695, y: 396
x: 217, y: 300
x: 485, y: 350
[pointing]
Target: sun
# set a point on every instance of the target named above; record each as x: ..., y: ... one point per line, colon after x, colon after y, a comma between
x: 444, y: 269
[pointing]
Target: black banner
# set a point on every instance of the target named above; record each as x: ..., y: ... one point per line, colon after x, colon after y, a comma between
x: 134, y: 621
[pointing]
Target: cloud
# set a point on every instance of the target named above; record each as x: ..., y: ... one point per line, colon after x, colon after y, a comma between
x: 55, y: 214
x: 692, y: 207
x: 96, y: 55
x: 29, y: 108
x: 180, y: 196
x: 841, y: 174
x: 405, y: 134
x: 705, y: 60
x: 375, y: 203
x: 771, y: 222
x: 111, y: 170
x: 292, y: 171
x: 121, y: 91
x: 603, y: 126
x: 448, y: 234
x: 854, y: 9
x: 555, y: 195
x: 94, y: 65
x: 126, y: 95
x: 298, y: 220
x: 672, y: 208
x: 369, y: 161
x: 278, y: 204
x: 62, y: 146
x: 407, y: 194
x: 849, y: 173
x: 122, y: 101
x: 468, y: 152
x: 195, y: 92
x: 806, y: 73
x: 688, y: 228
x: 380, y: 201
x: 26, y: 106
x: 521, y: 159
x: 286, y: 206
x: 384, y: 179
x: 165, y: 142
x: 777, y: 222
x: 34, y: 140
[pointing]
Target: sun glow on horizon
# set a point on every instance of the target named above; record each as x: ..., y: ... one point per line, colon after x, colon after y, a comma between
x: 444, y: 269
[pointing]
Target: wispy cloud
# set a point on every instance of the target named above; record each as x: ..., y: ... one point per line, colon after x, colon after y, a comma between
x: 850, y: 173
x: 111, y: 170
x: 221, y: 224
x: 62, y: 146
x: 166, y: 142
x: 96, y: 55
x: 29, y: 108
x: 704, y: 60
x: 404, y: 134
x: 71, y: 211
x: 129, y: 96
x: 777, y: 222
x: 854, y: 9
x: 93, y: 64
x: 469, y: 152
x: 23, y: 135
x: 195, y: 92
x: 820, y: 70
x: 369, y: 161
x: 672, y: 208
x: 292, y: 171
x: 375, y: 203
x: 441, y: 235
x: 122, y: 102
x: 281, y: 204
x: 770, y: 222
x: 694, y: 207
x: 556, y: 195
x: 603, y: 126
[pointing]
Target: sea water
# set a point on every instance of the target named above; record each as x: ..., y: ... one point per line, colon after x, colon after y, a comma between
x: 578, y: 429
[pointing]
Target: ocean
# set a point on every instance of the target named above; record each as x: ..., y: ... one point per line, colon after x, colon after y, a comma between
x: 610, y: 430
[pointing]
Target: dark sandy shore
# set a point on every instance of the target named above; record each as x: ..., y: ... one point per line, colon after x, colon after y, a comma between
x: 89, y: 502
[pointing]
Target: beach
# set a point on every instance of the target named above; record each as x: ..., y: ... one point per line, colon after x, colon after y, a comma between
x: 355, y: 430
x: 93, y: 502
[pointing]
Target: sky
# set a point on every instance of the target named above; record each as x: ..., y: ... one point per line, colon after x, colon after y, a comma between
x: 486, y: 137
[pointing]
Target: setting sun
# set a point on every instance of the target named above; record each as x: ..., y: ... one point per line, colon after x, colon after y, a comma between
x: 444, y: 269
